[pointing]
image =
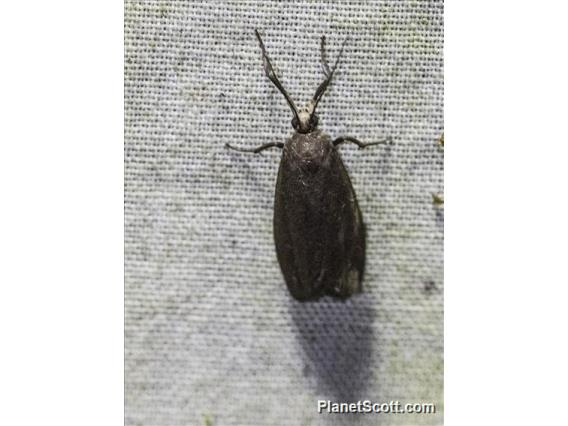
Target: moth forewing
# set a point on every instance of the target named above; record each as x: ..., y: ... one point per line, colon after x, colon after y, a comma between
x: 318, y: 227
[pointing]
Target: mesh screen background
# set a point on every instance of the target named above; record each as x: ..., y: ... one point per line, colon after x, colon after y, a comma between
x: 211, y: 333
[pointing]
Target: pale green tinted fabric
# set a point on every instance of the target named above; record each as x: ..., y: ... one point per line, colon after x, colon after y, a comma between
x: 211, y: 333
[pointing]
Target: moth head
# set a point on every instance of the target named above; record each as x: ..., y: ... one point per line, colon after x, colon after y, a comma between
x: 306, y: 120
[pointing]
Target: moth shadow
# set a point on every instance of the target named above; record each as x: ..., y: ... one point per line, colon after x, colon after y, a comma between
x: 337, y: 339
x: 439, y: 214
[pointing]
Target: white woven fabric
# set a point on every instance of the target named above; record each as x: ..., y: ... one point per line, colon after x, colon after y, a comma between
x: 212, y: 335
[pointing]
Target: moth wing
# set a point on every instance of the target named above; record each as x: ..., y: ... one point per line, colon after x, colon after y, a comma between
x: 318, y: 231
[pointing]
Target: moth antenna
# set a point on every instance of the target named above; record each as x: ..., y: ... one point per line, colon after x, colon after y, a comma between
x: 269, y: 70
x: 328, y: 73
x: 324, y: 64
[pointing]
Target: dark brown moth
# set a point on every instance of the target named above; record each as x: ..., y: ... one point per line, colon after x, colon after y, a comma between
x: 318, y: 227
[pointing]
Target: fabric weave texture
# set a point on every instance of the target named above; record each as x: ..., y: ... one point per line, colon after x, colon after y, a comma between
x: 212, y: 335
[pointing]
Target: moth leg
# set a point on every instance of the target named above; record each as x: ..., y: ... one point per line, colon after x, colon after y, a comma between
x: 324, y: 63
x: 258, y: 148
x: 385, y: 141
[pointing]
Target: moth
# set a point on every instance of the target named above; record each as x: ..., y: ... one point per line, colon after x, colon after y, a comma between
x: 318, y: 226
